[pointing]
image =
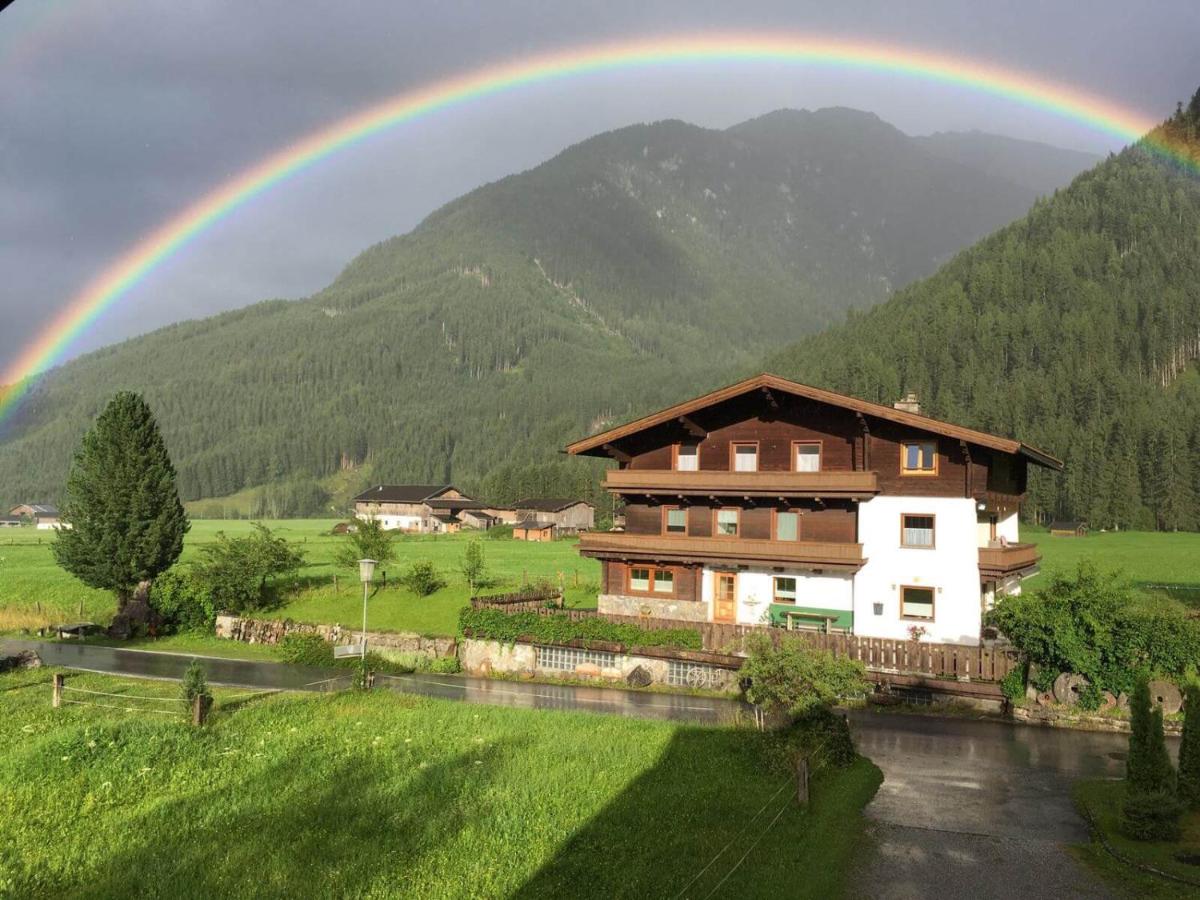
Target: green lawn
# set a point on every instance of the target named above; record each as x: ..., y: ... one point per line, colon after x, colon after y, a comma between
x: 1103, y: 799
x: 35, y: 592
x: 1144, y: 556
x: 384, y: 795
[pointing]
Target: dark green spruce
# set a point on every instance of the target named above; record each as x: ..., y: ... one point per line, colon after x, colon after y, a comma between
x: 126, y: 521
x: 1189, y: 748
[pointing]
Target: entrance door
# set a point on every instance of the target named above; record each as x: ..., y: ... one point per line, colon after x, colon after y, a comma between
x: 725, y: 597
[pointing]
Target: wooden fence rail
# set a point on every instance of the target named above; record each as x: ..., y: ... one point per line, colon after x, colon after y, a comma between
x: 980, y: 663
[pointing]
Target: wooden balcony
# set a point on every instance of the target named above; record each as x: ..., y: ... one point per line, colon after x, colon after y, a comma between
x: 996, y: 562
x: 849, y: 484
x: 721, y: 551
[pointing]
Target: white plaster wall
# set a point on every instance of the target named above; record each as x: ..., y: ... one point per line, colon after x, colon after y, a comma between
x: 755, y: 591
x: 391, y: 523
x: 952, y: 569
x: 1009, y: 528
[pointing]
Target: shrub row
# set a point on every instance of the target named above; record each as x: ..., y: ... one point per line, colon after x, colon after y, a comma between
x: 495, y: 624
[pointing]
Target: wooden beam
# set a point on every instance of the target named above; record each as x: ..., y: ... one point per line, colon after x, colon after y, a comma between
x: 770, y: 397
x: 619, y: 455
x: 692, y: 428
x: 866, y: 440
x: 966, y: 452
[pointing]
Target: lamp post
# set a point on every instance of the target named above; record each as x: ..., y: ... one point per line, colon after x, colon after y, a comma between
x: 366, y: 572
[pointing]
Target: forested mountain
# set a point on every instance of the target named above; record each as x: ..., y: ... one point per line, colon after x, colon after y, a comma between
x: 637, y: 267
x: 1076, y: 328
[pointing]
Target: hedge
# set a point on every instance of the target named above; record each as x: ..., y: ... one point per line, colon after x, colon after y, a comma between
x: 497, y: 625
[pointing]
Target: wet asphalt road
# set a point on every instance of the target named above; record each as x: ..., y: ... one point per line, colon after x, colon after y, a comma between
x: 978, y: 809
x: 973, y: 809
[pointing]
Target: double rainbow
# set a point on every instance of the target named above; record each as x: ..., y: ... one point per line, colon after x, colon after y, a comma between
x: 140, y: 260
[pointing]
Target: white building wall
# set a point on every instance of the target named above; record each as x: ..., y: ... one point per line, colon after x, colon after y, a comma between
x: 755, y: 590
x: 393, y: 522
x: 951, y: 569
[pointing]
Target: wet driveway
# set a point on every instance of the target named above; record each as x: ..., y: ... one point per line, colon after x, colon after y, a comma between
x: 978, y: 809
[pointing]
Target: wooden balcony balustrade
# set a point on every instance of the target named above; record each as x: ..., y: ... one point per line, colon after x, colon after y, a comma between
x: 1006, y: 560
x: 844, y: 484
x: 721, y: 550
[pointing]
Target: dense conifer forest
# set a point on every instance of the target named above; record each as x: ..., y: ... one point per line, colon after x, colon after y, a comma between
x: 638, y: 267
x: 1076, y: 328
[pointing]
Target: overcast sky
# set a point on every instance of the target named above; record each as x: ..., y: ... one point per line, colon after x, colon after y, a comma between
x: 115, y: 114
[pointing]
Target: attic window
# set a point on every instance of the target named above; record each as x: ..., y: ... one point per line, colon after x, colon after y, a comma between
x: 918, y: 458
x: 745, y: 457
x: 687, y: 458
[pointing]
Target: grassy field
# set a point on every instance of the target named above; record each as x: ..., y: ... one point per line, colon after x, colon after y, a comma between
x: 384, y: 795
x: 35, y: 592
x: 1103, y: 799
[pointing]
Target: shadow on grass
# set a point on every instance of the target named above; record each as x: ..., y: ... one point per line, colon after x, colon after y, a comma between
x: 711, y: 801
x: 295, y: 831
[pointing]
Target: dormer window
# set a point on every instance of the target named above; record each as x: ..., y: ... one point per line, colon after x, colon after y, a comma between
x: 918, y: 458
x: 687, y: 458
x: 745, y: 457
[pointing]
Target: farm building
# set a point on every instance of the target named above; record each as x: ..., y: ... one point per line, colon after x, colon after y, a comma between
x: 567, y: 516
x: 43, y: 515
x: 422, y: 508
x: 533, y: 530
x: 1068, y: 529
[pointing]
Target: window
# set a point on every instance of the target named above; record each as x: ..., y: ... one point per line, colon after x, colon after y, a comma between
x: 918, y: 458
x: 566, y: 659
x: 644, y: 580
x: 745, y: 457
x: 639, y: 579
x: 787, y: 526
x: 674, y: 520
x: 916, y: 531
x: 916, y: 603
x: 727, y: 523
x: 687, y: 458
x: 785, y: 589
x: 807, y: 457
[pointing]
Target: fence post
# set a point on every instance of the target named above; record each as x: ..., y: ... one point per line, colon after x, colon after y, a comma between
x: 201, y: 704
x: 802, y: 781
x: 58, y: 687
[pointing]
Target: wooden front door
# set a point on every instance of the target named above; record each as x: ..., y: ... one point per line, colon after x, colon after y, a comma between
x: 725, y: 597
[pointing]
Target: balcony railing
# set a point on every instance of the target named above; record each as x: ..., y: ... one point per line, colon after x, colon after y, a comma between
x: 728, y: 551
x: 855, y: 484
x: 997, y: 561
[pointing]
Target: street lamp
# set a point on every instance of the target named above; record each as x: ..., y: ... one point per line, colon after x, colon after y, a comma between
x: 366, y: 572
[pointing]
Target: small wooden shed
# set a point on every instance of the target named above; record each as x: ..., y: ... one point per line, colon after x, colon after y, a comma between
x: 533, y: 530
x: 1068, y: 529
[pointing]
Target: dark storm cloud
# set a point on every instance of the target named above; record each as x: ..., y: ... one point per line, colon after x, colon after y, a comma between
x: 114, y: 115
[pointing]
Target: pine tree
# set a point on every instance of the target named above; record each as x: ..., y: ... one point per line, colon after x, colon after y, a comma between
x: 1148, y: 768
x: 1189, y: 748
x: 126, y: 521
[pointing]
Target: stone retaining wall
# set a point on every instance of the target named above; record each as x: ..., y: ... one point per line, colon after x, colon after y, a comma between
x: 386, y: 643
x: 653, y: 607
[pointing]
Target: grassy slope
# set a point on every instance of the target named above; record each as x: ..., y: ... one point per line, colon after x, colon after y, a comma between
x: 29, y: 576
x: 397, y: 796
x: 1104, y: 799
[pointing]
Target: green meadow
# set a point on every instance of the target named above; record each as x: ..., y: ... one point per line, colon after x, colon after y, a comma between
x: 34, y: 592
x: 386, y: 795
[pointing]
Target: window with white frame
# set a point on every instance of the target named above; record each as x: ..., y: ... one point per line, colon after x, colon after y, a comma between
x: 639, y: 579
x: 785, y: 589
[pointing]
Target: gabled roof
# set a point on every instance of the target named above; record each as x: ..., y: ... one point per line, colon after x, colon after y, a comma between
x: 547, y: 505
x: 402, y: 493
x: 533, y: 525
x: 767, y: 381
x: 37, y: 509
x: 456, y: 503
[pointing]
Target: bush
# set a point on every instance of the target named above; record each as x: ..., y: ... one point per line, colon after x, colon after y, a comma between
x: 496, y: 625
x: 795, y: 678
x: 1013, y: 685
x: 1092, y: 625
x: 422, y: 578
x: 820, y: 735
x: 444, y: 665
x: 194, y: 683
x: 236, y: 572
x: 306, y: 650
x: 499, y: 533
x: 1189, y: 748
x: 183, y: 604
x: 1152, y: 816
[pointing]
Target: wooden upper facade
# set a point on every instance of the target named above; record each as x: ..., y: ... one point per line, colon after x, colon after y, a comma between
x: 772, y: 461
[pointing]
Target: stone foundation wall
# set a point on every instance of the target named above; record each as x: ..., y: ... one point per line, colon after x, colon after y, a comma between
x: 385, y: 643
x: 682, y: 610
x: 481, y: 657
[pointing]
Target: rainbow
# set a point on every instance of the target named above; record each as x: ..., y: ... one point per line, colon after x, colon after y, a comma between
x: 49, y: 347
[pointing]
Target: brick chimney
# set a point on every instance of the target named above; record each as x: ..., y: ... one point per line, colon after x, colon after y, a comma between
x: 908, y: 403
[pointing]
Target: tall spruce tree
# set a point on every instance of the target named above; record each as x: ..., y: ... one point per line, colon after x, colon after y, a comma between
x: 1189, y: 746
x: 1148, y: 768
x: 126, y: 521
